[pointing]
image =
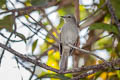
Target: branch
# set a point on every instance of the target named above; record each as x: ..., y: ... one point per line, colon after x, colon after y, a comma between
x: 30, y: 8
x: 83, y: 75
x: 85, y: 68
x: 25, y: 58
x: 93, y: 19
x: 77, y: 11
x: 102, y: 66
x: 87, y: 52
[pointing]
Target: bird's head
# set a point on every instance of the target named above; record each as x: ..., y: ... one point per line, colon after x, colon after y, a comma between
x: 69, y: 18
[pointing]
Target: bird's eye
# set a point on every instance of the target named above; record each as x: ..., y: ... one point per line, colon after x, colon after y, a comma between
x: 69, y: 16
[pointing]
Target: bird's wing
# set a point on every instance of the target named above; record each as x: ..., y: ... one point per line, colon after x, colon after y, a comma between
x: 60, y: 46
x: 75, y: 44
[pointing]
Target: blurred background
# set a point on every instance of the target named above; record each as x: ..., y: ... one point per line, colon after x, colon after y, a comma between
x: 32, y: 27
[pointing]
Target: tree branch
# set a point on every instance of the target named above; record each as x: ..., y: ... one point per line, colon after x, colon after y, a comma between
x: 25, y: 58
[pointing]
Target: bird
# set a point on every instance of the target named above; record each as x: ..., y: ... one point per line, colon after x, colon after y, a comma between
x: 68, y: 35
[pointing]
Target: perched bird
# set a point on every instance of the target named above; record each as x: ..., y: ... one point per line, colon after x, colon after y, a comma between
x: 68, y: 35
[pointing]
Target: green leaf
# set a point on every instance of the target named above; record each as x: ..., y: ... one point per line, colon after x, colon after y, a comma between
x: 83, y: 12
x: 34, y: 45
x: 58, y: 76
x: 60, y: 24
x: 104, y: 43
x: 7, y: 22
x: 116, y: 7
x: 21, y: 36
x: 39, y: 2
x: 45, y: 23
x: 118, y: 74
x: 2, y: 4
x: 44, y: 47
x: 107, y: 27
x: 66, y: 10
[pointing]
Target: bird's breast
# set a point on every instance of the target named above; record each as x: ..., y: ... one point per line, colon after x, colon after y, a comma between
x: 69, y: 33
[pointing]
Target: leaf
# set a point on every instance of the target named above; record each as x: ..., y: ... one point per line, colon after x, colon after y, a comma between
x: 44, y: 47
x: 103, y: 43
x: 116, y: 7
x: 118, y: 73
x: 45, y: 23
x: 2, y: 4
x: 60, y: 24
x: 39, y: 2
x: 7, y: 22
x: 66, y: 10
x: 21, y: 36
x: 107, y: 27
x: 58, y: 76
x: 83, y: 13
x: 34, y: 45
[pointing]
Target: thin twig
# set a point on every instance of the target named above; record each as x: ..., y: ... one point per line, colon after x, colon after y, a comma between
x: 54, y: 29
x: 3, y: 52
x: 87, y: 52
x: 94, y: 12
x: 18, y: 66
x: 45, y: 29
x: 34, y: 68
x: 112, y: 12
x: 83, y: 75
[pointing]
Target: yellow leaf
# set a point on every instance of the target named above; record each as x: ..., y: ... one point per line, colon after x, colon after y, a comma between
x: 51, y: 40
x: 27, y: 3
x: 90, y: 76
x: 111, y: 73
x: 52, y: 63
x: 54, y: 79
x: 55, y: 34
x: 57, y: 55
x: 50, y: 52
x: 52, y: 60
x: 104, y: 75
x: 26, y: 16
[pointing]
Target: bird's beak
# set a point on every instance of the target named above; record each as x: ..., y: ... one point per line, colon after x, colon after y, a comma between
x: 62, y: 16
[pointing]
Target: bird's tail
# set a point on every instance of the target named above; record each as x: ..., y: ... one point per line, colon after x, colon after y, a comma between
x: 64, y: 58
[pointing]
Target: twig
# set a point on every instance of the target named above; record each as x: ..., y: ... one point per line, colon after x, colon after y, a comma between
x: 15, y: 27
x: 22, y: 64
x: 94, y: 12
x: 45, y: 52
x: 83, y: 75
x: 102, y: 66
x: 18, y: 66
x: 3, y: 52
x: 45, y: 29
x: 34, y: 68
x: 54, y: 29
x: 87, y: 52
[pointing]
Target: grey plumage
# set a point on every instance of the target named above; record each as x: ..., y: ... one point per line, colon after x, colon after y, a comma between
x: 68, y: 35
